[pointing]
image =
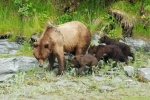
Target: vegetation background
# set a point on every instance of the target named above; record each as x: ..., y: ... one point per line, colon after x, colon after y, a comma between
x: 25, y: 17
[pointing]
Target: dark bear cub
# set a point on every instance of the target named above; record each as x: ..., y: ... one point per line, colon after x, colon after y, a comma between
x: 107, y: 52
x: 124, y: 47
x: 81, y: 61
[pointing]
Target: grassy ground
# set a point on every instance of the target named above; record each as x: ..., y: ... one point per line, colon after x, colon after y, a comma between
x: 38, y: 84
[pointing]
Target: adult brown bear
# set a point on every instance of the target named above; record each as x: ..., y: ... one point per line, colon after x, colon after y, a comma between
x: 71, y: 37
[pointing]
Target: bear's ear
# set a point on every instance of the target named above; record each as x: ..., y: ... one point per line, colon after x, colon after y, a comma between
x: 49, y: 27
x: 105, y: 36
x: 46, y: 45
x: 74, y: 57
x: 35, y: 44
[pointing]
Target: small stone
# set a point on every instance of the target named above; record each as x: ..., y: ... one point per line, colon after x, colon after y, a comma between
x: 129, y: 70
x: 144, y: 74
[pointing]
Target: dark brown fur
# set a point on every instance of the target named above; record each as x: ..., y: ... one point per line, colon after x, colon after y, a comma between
x: 106, y: 52
x: 71, y: 37
x: 81, y: 61
x: 124, y: 47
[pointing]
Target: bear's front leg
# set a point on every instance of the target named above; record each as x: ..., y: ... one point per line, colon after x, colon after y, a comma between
x: 81, y: 69
x: 61, y: 62
x: 51, y: 60
x: 90, y: 71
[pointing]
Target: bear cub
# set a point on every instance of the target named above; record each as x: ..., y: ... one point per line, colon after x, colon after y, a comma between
x: 81, y: 61
x: 107, y: 52
x: 124, y: 47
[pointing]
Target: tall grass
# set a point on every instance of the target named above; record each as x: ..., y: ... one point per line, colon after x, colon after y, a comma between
x: 11, y: 22
x: 92, y: 13
x: 9, y: 19
x: 133, y: 12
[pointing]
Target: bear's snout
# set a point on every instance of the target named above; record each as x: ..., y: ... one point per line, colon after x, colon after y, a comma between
x: 40, y: 65
x: 41, y: 62
x: 72, y: 65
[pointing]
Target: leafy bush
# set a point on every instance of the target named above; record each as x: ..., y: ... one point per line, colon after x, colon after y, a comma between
x: 64, y: 18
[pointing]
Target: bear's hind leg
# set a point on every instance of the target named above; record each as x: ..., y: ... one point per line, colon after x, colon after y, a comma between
x: 132, y: 55
x: 81, y: 69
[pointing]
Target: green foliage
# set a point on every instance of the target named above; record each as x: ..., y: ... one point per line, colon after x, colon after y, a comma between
x: 27, y: 10
x: 147, y: 7
x: 25, y: 7
x: 89, y: 14
x: 26, y: 17
x: 64, y: 18
x: 25, y: 49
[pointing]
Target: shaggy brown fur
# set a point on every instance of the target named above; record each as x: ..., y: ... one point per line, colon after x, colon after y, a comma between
x: 71, y: 37
x: 124, y: 47
x: 106, y: 52
x: 81, y: 61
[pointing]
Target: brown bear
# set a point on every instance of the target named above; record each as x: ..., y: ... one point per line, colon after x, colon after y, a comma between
x: 71, y: 37
x: 124, y: 47
x: 106, y: 52
x: 81, y: 61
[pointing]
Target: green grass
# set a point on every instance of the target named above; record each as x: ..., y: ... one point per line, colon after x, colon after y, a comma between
x: 92, y: 16
x: 92, y: 13
x: 25, y: 49
x: 11, y: 22
x: 133, y: 12
x: 127, y: 7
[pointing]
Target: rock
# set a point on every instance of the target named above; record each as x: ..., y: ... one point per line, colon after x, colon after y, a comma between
x: 137, y: 44
x: 144, y: 74
x: 95, y: 39
x: 5, y: 76
x: 129, y: 70
x: 8, y: 47
x: 15, y: 64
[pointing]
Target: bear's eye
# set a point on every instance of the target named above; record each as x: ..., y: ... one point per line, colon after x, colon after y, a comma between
x: 35, y: 44
x: 46, y: 45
